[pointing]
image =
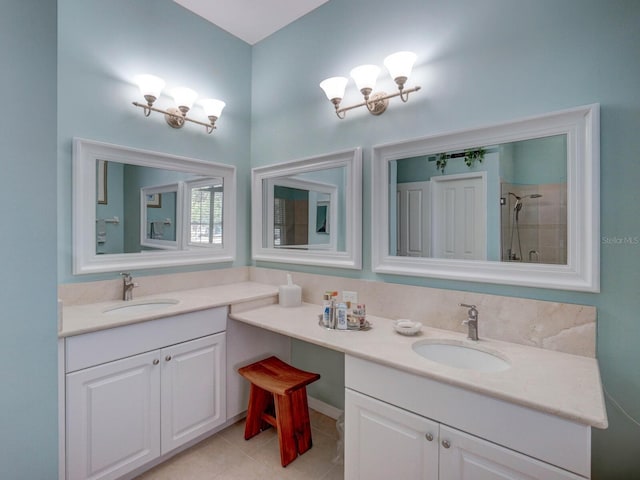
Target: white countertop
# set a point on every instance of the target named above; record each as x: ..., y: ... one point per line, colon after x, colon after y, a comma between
x: 78, y: 319
x: 557, y: 383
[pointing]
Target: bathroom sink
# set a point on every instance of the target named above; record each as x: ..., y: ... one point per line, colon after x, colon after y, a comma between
x: 460, y: 355
x: 140, y: 306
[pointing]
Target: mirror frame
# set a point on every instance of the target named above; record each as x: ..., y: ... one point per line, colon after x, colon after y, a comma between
x: 581, y: 125
x: 352, y: 256
x: 85, y: 259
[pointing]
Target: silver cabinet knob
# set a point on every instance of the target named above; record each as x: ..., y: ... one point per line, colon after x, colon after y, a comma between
x: 446, y: 444
x: 156, y: 361
x: 429, y: 437
x: 167, y: 358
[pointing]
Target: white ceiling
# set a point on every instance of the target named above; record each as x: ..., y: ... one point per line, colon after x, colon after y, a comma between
x: 251, y: 20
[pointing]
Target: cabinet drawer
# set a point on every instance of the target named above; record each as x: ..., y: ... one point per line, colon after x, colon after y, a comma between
x: 87, y: 350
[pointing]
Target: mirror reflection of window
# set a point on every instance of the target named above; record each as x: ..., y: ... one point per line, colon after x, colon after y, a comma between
x: 205, y: 217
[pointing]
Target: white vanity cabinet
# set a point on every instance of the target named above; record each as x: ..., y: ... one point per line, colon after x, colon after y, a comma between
x: 399, y: 425
x: 136, y: 392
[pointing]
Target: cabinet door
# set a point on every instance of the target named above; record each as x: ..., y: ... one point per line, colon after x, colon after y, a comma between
x: 193, y: 397
x: 113, y: 417
x: 384, y: 442
x: 465, y: 457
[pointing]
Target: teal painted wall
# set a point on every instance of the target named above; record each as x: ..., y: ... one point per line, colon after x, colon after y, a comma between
x: 28, y: 344
x: 479, y: 63
x: 101, y: 47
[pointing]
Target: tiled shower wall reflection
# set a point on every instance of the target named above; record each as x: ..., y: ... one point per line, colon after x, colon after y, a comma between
x: 540, y: 234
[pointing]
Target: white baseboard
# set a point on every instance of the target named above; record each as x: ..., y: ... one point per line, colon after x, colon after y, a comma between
x: 324, y: 408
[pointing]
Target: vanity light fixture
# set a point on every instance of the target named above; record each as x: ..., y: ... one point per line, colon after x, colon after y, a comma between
x: 184, y: 98
x: 399, y: 66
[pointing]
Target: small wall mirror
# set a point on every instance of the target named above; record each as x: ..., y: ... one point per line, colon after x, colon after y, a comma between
x: 309, y: 211
x: 515, y: 203
x: 140, y: 209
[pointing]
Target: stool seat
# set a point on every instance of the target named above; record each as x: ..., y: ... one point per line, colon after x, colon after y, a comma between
x: 278, y: 398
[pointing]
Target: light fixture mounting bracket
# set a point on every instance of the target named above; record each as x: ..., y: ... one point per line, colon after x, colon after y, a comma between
x: 378, y: 103
x: 174, y: 118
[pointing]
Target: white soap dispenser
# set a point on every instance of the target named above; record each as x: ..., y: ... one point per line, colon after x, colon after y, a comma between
x: 290, y: 295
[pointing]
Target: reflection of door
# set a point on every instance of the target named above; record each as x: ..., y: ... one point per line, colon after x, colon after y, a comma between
x: 413, y: 219
x: 459, y: 216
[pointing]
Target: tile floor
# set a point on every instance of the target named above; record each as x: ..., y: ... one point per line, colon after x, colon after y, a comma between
x: 228, y: 456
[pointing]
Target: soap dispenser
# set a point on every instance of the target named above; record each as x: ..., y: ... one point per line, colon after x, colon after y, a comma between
x: 290, y: 295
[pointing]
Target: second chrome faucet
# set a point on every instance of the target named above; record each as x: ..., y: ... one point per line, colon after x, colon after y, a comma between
x: 471, y: 321
x: 127, y: 286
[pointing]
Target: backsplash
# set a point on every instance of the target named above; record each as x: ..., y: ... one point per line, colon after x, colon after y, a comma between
x: 556, y: 326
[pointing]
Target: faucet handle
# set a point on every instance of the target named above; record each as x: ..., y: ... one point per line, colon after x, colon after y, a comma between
x: 473, y: 311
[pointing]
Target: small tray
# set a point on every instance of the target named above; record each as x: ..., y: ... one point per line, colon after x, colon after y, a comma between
x: 367, y: 326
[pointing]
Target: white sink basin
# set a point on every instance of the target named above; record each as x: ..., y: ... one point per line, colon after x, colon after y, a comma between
x: 140, y: 306
x: 460, y: 356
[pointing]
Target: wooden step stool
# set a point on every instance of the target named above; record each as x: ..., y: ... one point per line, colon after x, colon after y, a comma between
x: 278, y: 397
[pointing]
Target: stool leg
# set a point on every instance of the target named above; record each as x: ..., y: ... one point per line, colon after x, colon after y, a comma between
x: 302, y: 424
x: 286, y: 432
x: 259, y: 401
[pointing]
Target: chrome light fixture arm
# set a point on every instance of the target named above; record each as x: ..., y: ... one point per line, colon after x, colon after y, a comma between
x: 175, y: 118
x: 375, y: 99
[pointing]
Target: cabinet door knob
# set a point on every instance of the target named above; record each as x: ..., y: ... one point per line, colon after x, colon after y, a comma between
x: 429, y: 437
x: 446, y: 444
x: 156, y: 361
x: 167, y: 358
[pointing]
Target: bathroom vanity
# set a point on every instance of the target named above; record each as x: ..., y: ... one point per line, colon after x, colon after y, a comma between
x: 532, y: 417
x: 145, y: 379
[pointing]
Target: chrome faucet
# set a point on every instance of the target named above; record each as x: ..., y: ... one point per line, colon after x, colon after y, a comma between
x: 471, y: 321
x: 127, y: 286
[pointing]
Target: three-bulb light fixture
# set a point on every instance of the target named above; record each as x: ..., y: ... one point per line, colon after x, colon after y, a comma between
x: 399, y: 66
x: 184, y: 98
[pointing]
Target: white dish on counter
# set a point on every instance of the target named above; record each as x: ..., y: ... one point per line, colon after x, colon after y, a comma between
x: 406, y: 327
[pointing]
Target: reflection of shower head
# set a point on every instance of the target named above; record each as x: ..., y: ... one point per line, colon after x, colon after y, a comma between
x: 518, y: 205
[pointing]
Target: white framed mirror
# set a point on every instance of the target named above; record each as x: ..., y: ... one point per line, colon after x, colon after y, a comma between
x: 132, y: 209
x: 516, y: 203
x: 309, y: 211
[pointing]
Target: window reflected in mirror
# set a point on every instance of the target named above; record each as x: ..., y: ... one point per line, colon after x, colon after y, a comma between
x: 505, y: 202
x: 137, y: 210
x: 205, y: 212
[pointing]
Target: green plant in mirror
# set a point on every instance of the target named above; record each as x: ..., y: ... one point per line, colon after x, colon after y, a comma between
x: 471, y: 155
x: 441, y: 162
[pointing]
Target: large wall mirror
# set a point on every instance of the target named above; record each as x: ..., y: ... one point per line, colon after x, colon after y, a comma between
x: 140, y: 209
x: 309, y: 211
x: 516, y: 203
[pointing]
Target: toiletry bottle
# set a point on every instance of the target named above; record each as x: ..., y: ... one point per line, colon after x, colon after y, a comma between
x: 341, y: 322
x: 326, y: 310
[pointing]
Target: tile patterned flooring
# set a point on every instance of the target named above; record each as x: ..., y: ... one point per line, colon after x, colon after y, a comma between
x: 228, y: 456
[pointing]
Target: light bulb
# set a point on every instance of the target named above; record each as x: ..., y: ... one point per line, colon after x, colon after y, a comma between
x: 184, y: 98
x: 150, y: 87
x: 399, y: 65
x: 334, y: 87
x: 212, y: 108
x: 365, y: 77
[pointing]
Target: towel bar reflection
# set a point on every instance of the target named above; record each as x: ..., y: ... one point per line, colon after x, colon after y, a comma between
x: 115, y: 220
